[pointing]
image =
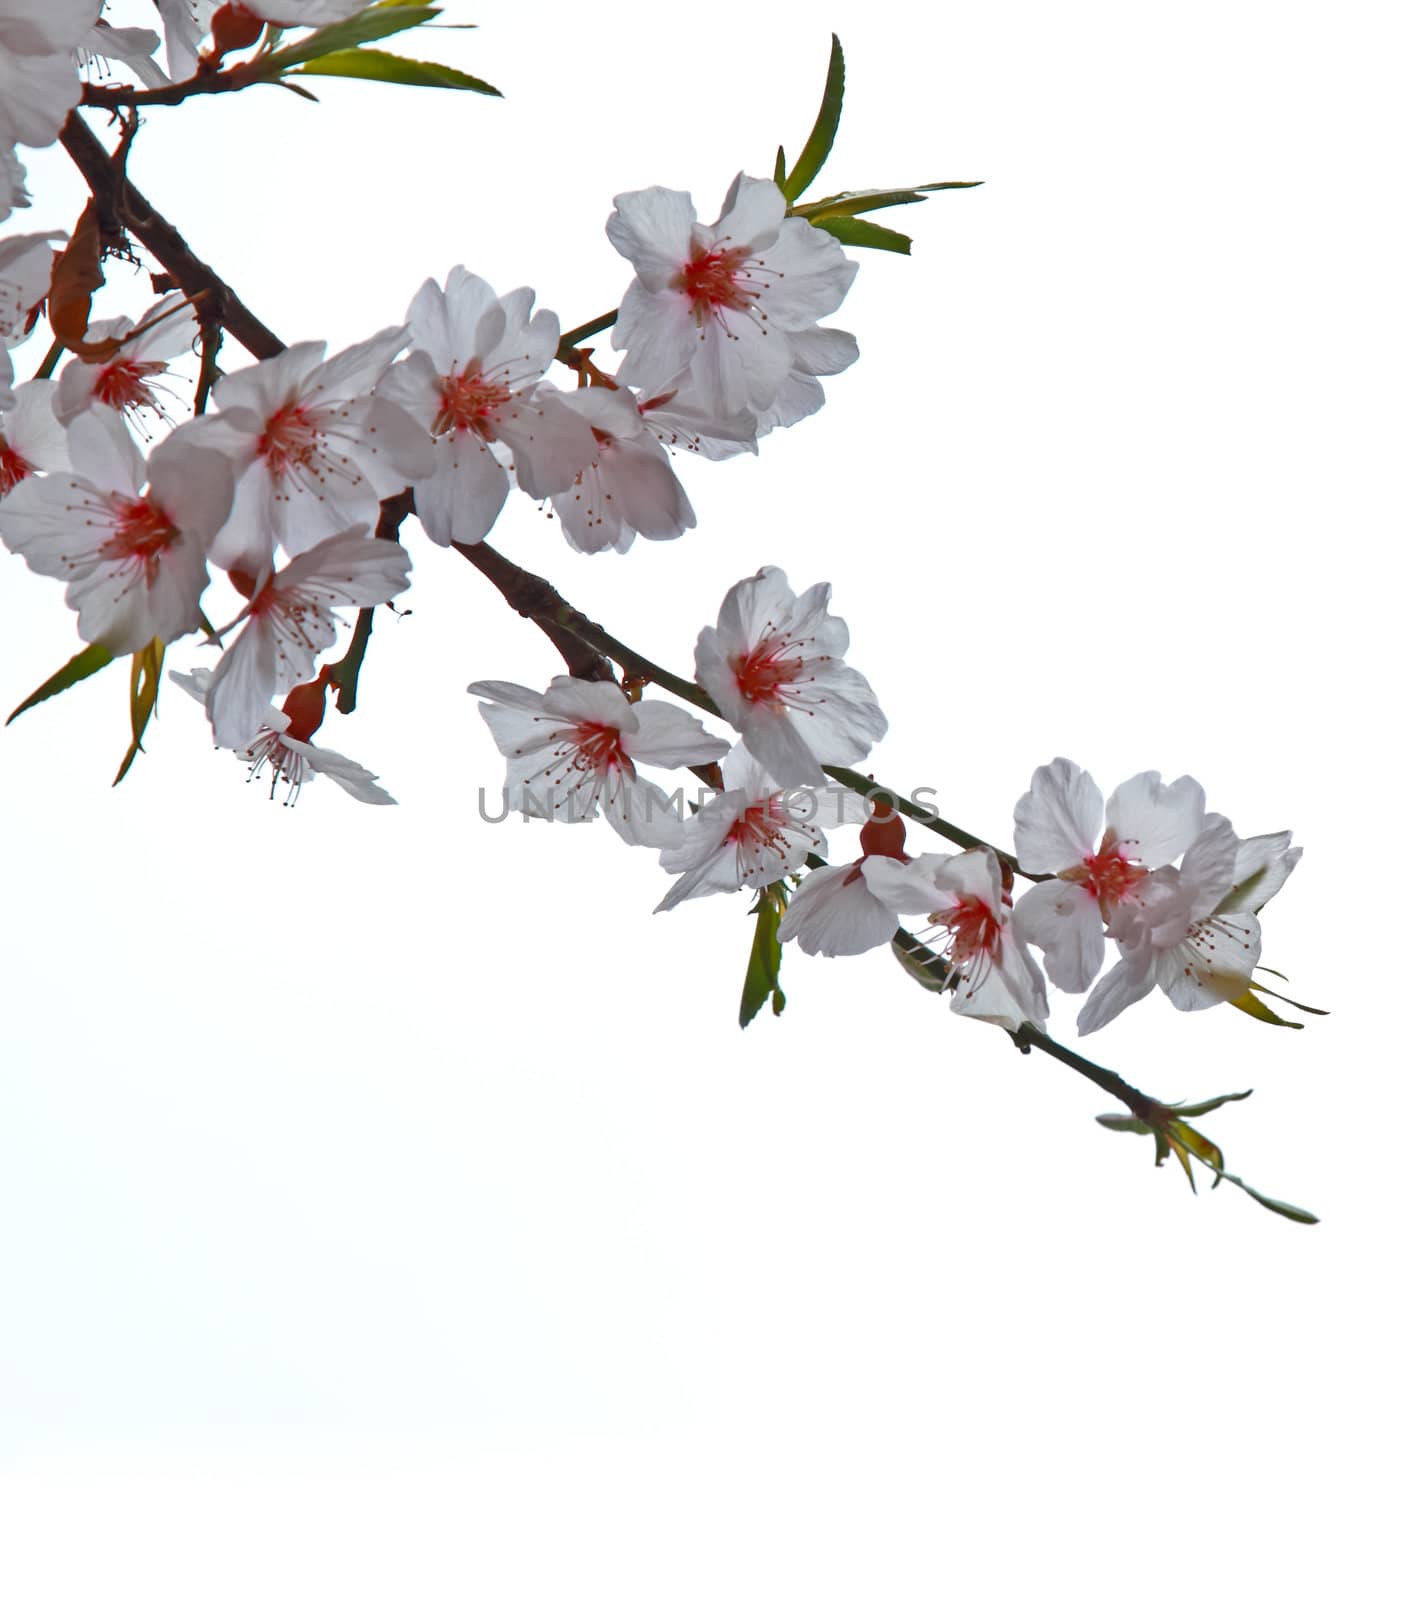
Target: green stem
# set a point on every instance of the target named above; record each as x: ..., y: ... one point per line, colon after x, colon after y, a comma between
x: 51, y: 360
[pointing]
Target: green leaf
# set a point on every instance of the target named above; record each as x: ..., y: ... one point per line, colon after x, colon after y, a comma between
x: 819, y: 145
x: 1312, y: 1011
x: 377, y: 22
x: 1284, y: 1208
x: 1252, y: 1006
x: 929, y: 969
x: 849, y: 202
x: 761, y: 975
x: 1122, y: 1124
x: 146, y: 680
x: 865, y: 235
x: 384, y: 67
x: 780, y: 168
x: 92, y: 658
x: 1202, y: 1108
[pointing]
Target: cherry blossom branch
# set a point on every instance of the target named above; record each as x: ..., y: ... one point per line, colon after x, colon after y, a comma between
x: 192, y: 276
x: 567, y: 352
x: 118, y: 96
x: 1027, y: 1038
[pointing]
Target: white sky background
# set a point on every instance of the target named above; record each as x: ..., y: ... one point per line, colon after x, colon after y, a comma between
x: 389, y: 1204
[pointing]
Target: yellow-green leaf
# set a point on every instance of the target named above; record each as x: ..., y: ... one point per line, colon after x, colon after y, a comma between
x: 864, y: 235
x: 377, y: 22
x: 819, y: 145
x: 383, y: 67
x: 92, y: 658
x: 761, y: 975
x: 146, y: 680
x: 1252, y: 1006
x: 850, y: 202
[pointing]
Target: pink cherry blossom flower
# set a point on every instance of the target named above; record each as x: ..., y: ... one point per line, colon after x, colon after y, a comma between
x: 290, y: 619
x: 282, y: 747
x: 31, y: 438
x: 473, y: 382
x: 753, y: 832
x: 994, y: 979
x: 314, y: 452
x: 724, y: 301
x: 1193, y: 931
x: 1148, y: 825
x: 773, y: 665
x: 628, y: 487
x: 576, y: 748
x: 134, y: 561
x: 127, y: 381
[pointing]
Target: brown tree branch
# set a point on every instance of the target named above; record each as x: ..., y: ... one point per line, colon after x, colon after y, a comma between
x: 198, y: 282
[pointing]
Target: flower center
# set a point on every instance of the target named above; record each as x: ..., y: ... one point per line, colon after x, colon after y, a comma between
x: 715, y: 280
x: 766, y: 671
x: 469, y: 400
x: 13, y: 467
x: 142, y: 533
x: 756, y: 829
x: 1109, y: 876
x: 123, y: 384
x: 290, y: 439
x: 599, y: 749
x: 973, y: 930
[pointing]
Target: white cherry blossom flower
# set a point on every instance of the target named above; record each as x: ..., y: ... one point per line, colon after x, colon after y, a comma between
x: 185, y: 23
x: 126, y: 381
x: 134, y: 561
x: 26, y: 264
x: 628, y: 487
x: 473, y: 382
x: 834, y: 911
x: 753, y: 832
x: 31, y: 437
x: 38, y: 74
x: 994, y: 978
x: 282, y: 747
x: 290, y: 619
x: 576, y: 748
x: 12, y: 181
x: 723, y: 302
x: 1056, y: 823
x: 314, y: 452
x: 773, y: 665
x: 1193, y: 930
x: 680, y: 422
x: 133, y: 47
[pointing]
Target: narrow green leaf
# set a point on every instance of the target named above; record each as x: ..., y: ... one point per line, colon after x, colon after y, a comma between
x: 384, y: 67
x: 1202, y: 1108
x: 865, y: 235
x: 850, y: 202
x: 298, y: 89
x: 1284, y: 1208
x: 1312, y: 1011
x: 1252, y: 1006
x: 761, y: 975
x: 92, y: 658
x: 377, y: 22
x: 929, y: 969
x: 146, y: 681
x: 1122, y: 1124
x: 780, y: 168
x: 819, y: 145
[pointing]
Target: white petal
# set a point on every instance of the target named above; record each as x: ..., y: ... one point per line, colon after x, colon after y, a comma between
x: 1056, y: 823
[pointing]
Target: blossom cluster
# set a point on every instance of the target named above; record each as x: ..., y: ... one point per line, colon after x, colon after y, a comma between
x: 279, y: 485
x: 1153, y: 874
